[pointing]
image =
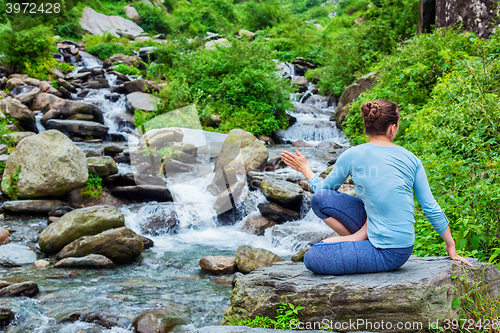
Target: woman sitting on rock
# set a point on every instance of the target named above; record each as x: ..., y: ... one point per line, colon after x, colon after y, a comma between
x: 376, y: 227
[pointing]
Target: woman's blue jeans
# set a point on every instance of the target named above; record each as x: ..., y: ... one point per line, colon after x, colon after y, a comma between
x: 349, y: 257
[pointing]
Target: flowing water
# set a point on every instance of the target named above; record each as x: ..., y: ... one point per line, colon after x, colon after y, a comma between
x: 168, y: 272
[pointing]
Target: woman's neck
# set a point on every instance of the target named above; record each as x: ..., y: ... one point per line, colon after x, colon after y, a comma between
x: 381, y: 140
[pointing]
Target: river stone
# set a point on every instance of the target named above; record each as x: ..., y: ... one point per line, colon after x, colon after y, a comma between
x: 249, y: 258
x: 160, y: 138
x: 78, y: 127
x: 16, y: 137
x: 90, y: 261
x: 41, y: 263
x: 6, y: 317
x: 4, y: 149
x: 141, y: 85
x: 28, y: 289
x: 51, y: 165
x: 161, y: 320
x: 4, y: 234
x: 14, y: 254
x: 121, y: 245
x: 253, y: 151
x: 17, y: 110
x: 143, y: 193
x: 420, y: 291
x: 218, y: 264
x: 73, y: 109
x: 45, y: 101
x: 277, y: 213
x: 97, y: 24
x: 77, y: 223
x: 132, y: 14
x: 102, y: 166
x: 13, y: 83
x: 129, y: 60
x: 142, y: 101
x: 257, y: 224
x: 210, y: 45
x: 351, y: 94
x: 28, y: 96
x: 299, y: 256
x: 31, y: 206
x: 282, y: 192
x: 231, y: 197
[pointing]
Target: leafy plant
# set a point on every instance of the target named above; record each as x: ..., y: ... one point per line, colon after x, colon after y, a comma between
x: 286, y: 314
x: 127, y: 70
x: 93, y: 188
x: 9, y: 184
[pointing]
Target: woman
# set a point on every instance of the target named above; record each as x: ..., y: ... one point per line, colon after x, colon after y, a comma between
x: 376, y: 227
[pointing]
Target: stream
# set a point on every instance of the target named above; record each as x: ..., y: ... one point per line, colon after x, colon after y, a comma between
x: 169, y: 271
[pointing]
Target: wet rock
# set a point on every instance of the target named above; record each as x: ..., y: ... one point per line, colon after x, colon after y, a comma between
x: 253, y: 152
x: 148, y: 243
x: 328, y: 145
x: 14, y: 254
x: 129, y: 60
x: 50, y: 164
x: 160, y: 138
x: 78, y: 127
x: 351, y: 94
x: 51, y: 114
x: 218, y: 264
x: 46, y: 101
x: 28, y: 289
x: 97, y: 24
x: 301, y: 143
x: 236, y: 276
x: 143, y: 193
x: 90, y: 261
x: 141, y: 101
x: 41, y: 263
x: 282, y: 192
x: 257, y: 224
x: 141, y: 85
x: 4, y: 234
x: 60, y: 211
x: 231, y: 197
x: 122, y: 159
x: 77, y: 223
x: 301, y: 83
x: 6, y: 317
x: 420, y: 291
x: 102, y: 319
x: 112, y: 97
x: 47, y: 89
x: 73, y: 109
x: 16, y: 137
x: 161, y: 320
x: 249, y: 258
x: 113, y: 150
x: 31, y: 206
x: 17, y: 110
x: 102, y: 166
x: 277, y: 213
x: 29, y: 96
x: 299, y: 256
x: 172, y: 166
x: 160, y: 224
x: 79, y: 116
x: 121, y: 245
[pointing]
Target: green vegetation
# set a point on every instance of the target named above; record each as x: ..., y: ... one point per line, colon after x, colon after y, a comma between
x: 93, y: 188
x: 127, y: 70
x: 286, y: 315
x: 9, y: 184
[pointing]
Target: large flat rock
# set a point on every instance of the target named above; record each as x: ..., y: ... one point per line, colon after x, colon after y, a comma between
x: 419, y: 292
x: 78, y: 127
x: 97, y: 24
x: 14, y: 254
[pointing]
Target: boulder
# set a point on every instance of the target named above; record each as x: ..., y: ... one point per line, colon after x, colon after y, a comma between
x: 160, y: 224
x: 141, y: 85
x: 4, y: 234
x: 4, y: 149
x: 51, y: 114
x: 29, y: 96
x: 212, y: 44
x: 301, y: 83
x: 97, y: 24
x: 249, y: 258
x: 132, y: 14
x: 142, y: 101
x: 28, y: 289
x: 47, y: 88
x: 257, y: 224
x: 45, y: 101
x: 328, y: 145
x: 77, y: 223
x: 299, y: 256
x: 282, y: 192
x: 73, y: 109
x: 419, y: 292
x: 129, y: 60
x: 6, y: 317
x: 246, y: 33
x: 300, y: 143
x: 78, y: 127
x: 277, y: 213
x: 90, y: 261
x: 231, y: 197
x: 17, y: 110
x: 16, y: 137
x: 13, y: 83
x: 31, y: 206
x: 121, y: 245
x: 47, y: 164
x: 218, y: 264
x: 161, y: 320
x: 102, y: 166
x: 351, y: 94
x: 143, y: 193
x: 41, y: 263
x: 160, y: 138
x: 14, y: 254
x: 252, y: 150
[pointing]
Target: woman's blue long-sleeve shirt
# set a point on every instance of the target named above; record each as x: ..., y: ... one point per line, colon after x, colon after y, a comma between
x: 384, y: 177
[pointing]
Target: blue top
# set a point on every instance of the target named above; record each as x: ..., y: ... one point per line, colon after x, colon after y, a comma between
x: 384, y: 177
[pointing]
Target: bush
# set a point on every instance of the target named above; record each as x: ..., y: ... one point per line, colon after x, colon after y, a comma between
x: 127, y: 70
x: 107, y: 45
x: 154, y: 19
x: 93, y: 188
x: 29, y: 51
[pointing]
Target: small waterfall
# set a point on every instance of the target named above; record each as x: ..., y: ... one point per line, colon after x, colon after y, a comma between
x: 89, y: 61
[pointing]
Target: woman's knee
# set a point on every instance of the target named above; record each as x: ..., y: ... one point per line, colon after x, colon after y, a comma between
x: 319, y: 200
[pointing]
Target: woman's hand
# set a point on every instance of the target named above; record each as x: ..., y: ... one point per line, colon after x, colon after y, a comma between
x: 297, y: 162
x: 453, y: 254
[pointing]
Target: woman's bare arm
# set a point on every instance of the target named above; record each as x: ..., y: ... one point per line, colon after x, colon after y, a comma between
x: 450, y: 247
x: 298, y: 163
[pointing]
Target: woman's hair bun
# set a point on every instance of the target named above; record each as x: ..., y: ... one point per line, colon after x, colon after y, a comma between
x: 370, y: 111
